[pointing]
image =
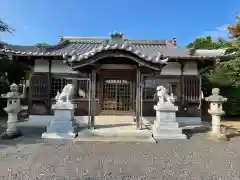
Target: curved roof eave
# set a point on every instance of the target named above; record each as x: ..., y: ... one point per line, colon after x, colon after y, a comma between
x: 118, y: 53
x: 125, y: 47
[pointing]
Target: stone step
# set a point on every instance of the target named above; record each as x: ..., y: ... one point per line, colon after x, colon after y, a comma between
x: 49, y: 135
x: 113, y: 119
x: 168, y: 136
x: 115, y: 133
x: 114, y: 139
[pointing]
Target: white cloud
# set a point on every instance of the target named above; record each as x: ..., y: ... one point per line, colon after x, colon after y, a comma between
x: 220, y: 31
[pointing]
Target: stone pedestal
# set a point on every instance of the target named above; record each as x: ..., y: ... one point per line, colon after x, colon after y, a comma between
x: 216, y: 125
x: 12, y: 124
x: 62, y: 125
x: 216, y: 132
x: 165, y: 125
x: 12, y: 130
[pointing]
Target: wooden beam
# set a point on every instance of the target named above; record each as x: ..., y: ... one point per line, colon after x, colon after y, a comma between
x: 117, y: 66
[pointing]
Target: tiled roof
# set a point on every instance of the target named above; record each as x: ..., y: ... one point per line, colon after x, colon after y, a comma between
x: 16, y: 48
x: 150, y: 54
x: 77, y: 48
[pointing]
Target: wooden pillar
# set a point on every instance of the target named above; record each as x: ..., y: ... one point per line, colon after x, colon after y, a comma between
x: 182, y: 96
x: 138, y: 96
x: 199, y: 67
x: 182, y: 84
x: 200, y: 97
x: 93, y: 98
x: 50, y: 85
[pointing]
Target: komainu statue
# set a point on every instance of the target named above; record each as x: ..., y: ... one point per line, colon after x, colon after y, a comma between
x: 66, y: 94
x: 164, y: 97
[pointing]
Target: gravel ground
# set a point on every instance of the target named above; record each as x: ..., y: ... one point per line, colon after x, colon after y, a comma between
x: 197, y: 158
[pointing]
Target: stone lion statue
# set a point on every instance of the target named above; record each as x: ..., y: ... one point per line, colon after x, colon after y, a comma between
x: 66, y: 94
x: 164, y: 97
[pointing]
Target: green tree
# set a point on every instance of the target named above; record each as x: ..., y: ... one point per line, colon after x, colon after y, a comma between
x: 229, y: 70
x: 207, y: 43
x: 42, y: 44
x: 226, y: 75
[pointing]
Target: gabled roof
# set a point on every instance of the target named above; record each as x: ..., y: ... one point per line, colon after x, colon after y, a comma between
x: 78, y: 48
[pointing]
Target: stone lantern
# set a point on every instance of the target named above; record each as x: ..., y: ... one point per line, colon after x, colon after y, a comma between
x: 216, y: 111
x: 13, y: 108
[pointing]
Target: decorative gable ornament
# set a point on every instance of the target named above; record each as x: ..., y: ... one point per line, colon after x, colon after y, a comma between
x: 116, y: 38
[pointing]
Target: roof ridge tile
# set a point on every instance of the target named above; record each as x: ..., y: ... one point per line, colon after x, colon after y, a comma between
x: 132, y: 41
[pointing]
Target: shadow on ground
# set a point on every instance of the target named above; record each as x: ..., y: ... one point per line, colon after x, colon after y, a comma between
x: 31, y: 134
x: 195, y: 130
x: 27, y: 129
x: 3, y: 121
x: 230, y: 131
x: 21, y: 140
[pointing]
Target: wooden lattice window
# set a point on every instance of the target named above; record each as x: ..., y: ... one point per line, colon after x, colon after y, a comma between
x: 150, y: 85
x: 81, y: 86
x: 192, y: 88
x: 149, y: 89
x: 57, y: 85
x: 39, y: 85
x: 171, y: 84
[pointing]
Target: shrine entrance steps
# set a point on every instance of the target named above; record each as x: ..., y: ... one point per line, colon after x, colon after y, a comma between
x: 115, y: 129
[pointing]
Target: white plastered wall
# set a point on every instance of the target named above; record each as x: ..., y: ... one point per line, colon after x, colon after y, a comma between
x: 41, y: 66
x: 190, y: 68
x: 57, y: 67
x: 174, y: 68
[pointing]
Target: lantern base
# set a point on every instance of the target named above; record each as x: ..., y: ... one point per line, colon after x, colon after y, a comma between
x: 220, y: 137
x: 6, y: 136
x: 223, y: 137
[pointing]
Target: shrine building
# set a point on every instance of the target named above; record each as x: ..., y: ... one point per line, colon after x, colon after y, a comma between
x: 114, y: 76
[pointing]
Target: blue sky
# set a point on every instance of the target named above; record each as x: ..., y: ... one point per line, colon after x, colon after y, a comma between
x: 45, y: 20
